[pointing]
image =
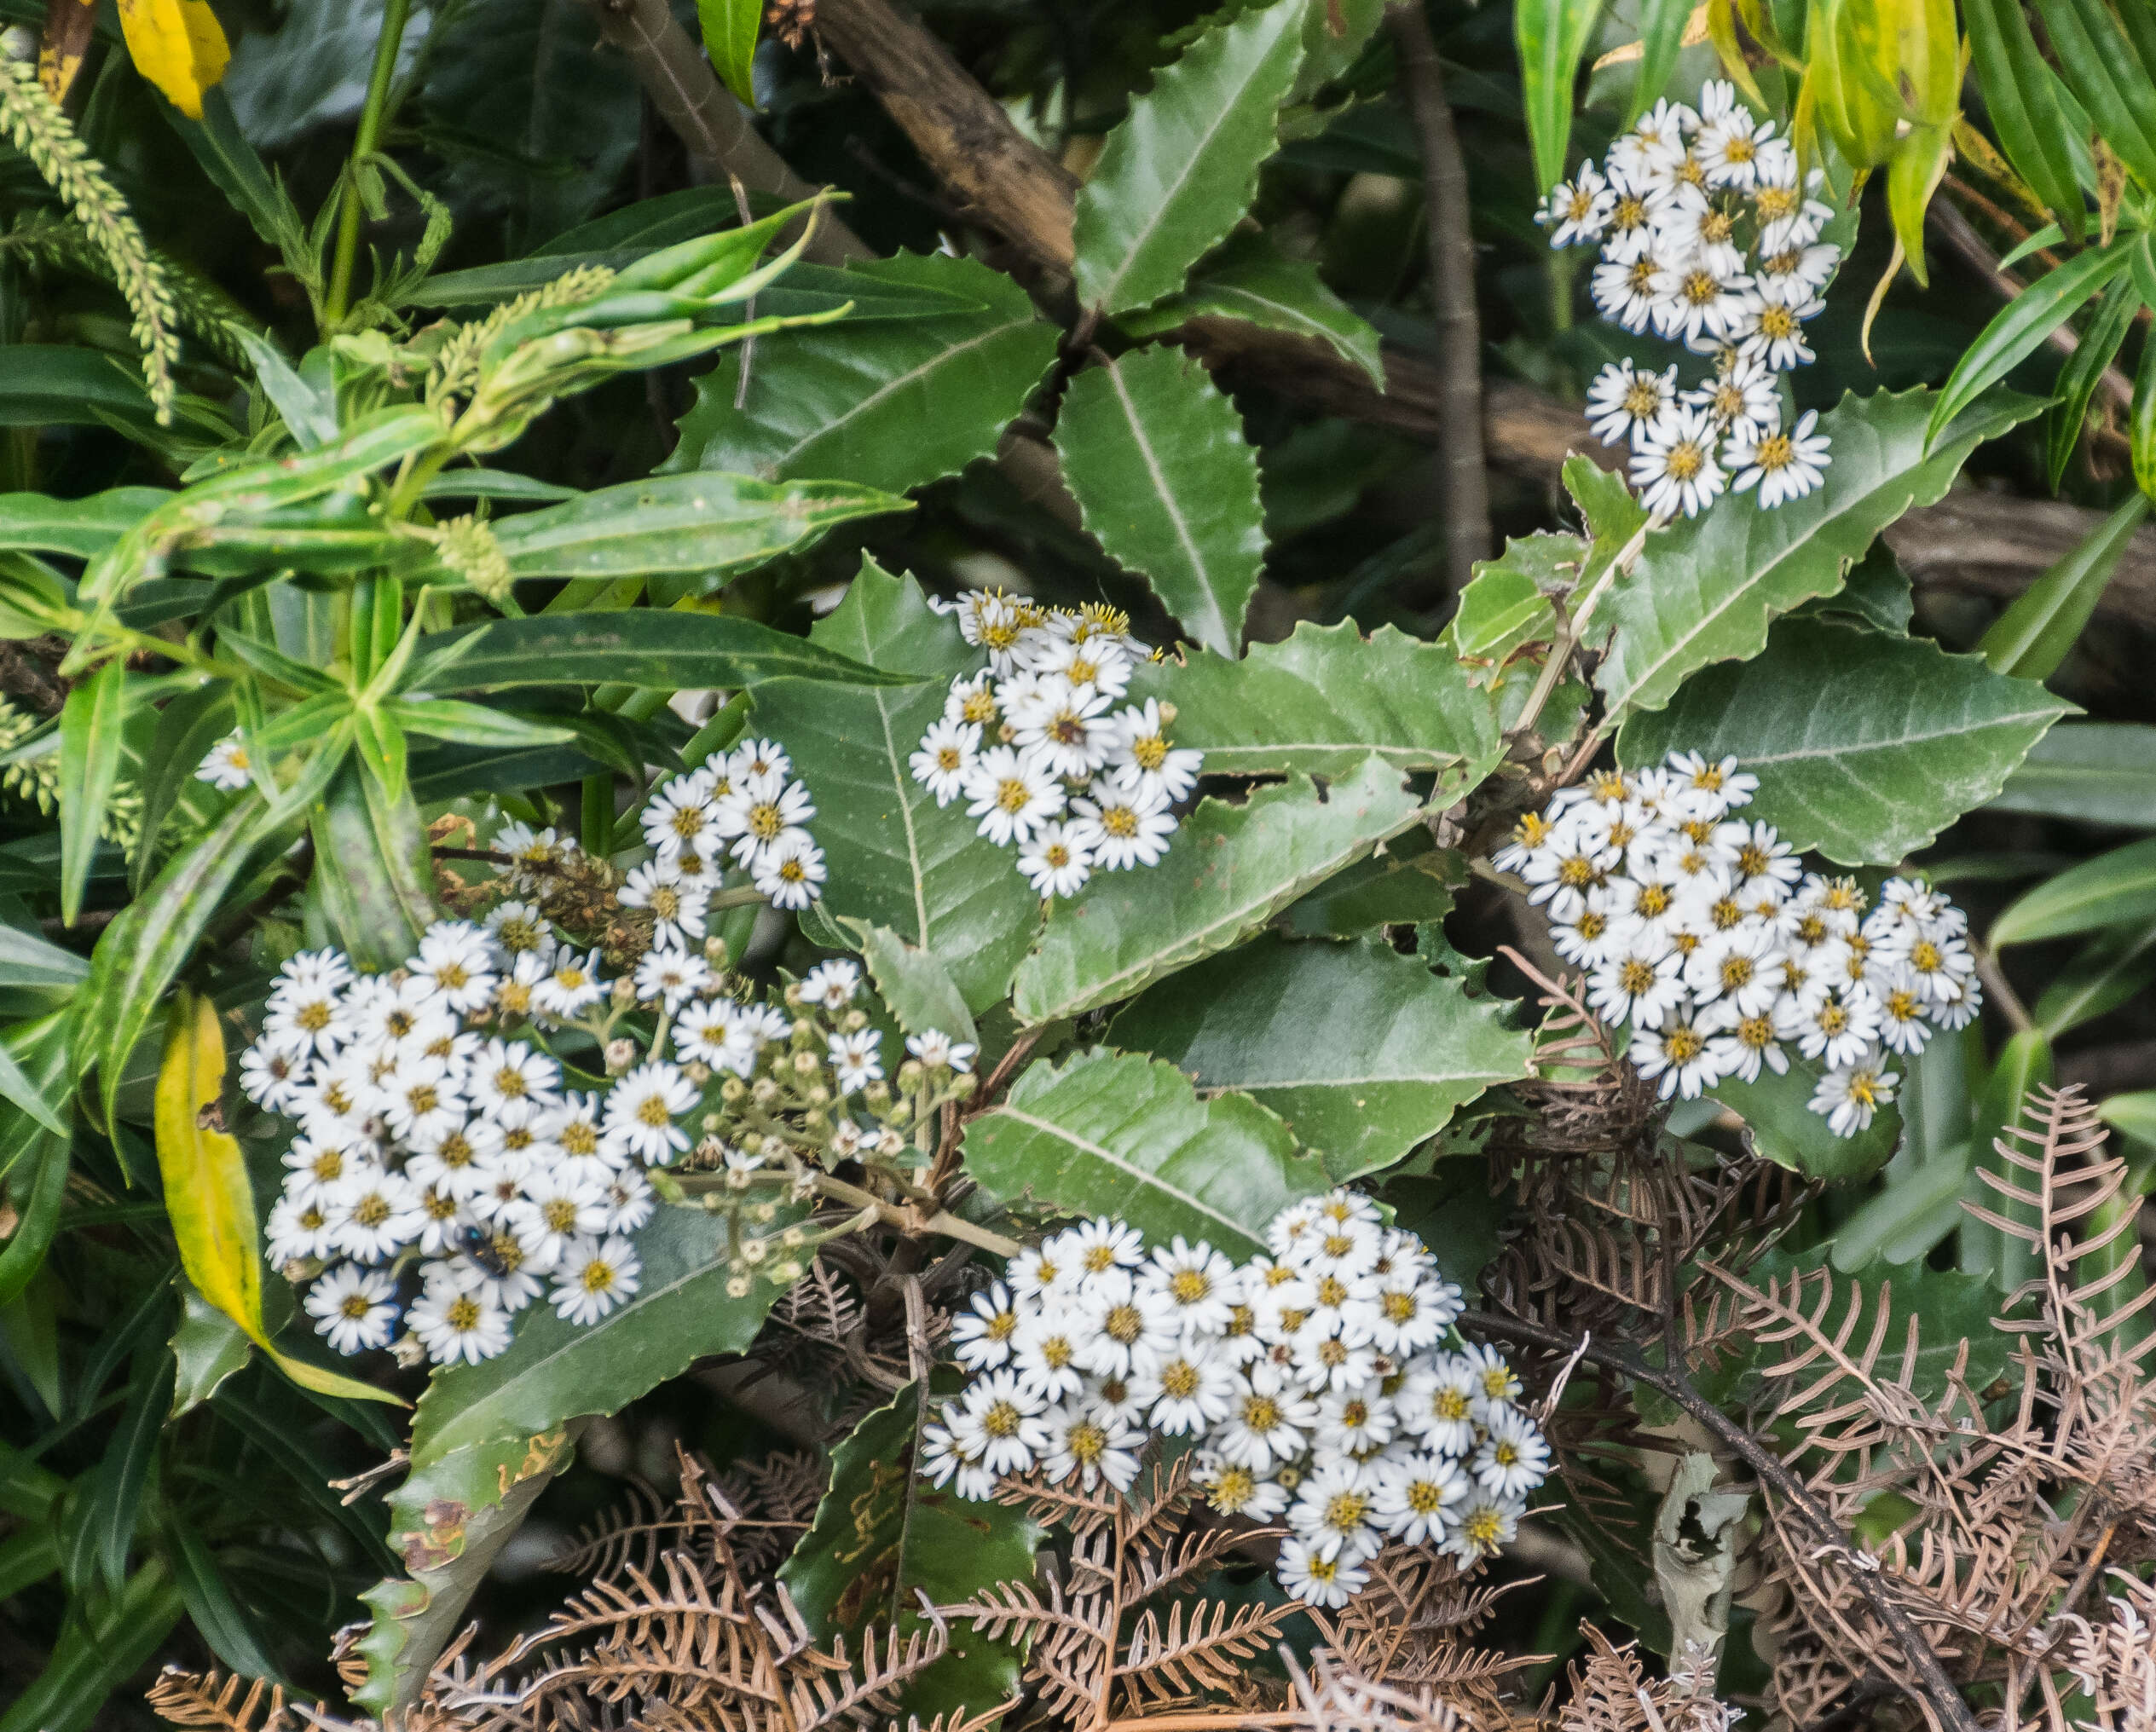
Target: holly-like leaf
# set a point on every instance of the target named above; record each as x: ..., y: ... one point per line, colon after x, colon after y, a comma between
x: 883, y: 1536
x: 1227, y: 871
x: 1865, y: 746
x: 1156, y: 458
x: 1704, y: 589
x: 1360, y: 1086
x: 1780, y: 1124
x: 1325, y: 698
x: 487, y: 1437
x: 895, y: 858
x: 1115, y: 1134
x: 1250, y: 278
x: 892, y: 406
x: 915, y: 986
x: 1177, y: 174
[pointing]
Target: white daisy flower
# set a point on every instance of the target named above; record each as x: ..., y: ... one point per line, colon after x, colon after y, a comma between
x: 557, y: 1209
x: 1269, y: 1423
x: 1318, y: 1580
x: 1629, y: 292
x: 1836, y: 1027
x: 1186, y: 1392
x: 790, y: 872
x: 1642, y: 979
x: 1124, y: 826
x: 1625, y: 404
x: 935, y: 1048
x: 505, y: 1073
x: 947, y: 753
x: 374, y: 1214
x: 1743, y: 966
x: 641, y: 1109
x: 455, y: 1321
x: 758, y: 757
x: 1702, y: 307
x: 1234, y: 1490
x: 1741, y: 398
x: 1676, y: 468
x: 571, y: 987
x: 1514, y: 1457
x: 1056, y: 859
x: 1680, y: 1051
x: 1126, y: 1327
x: 680, y: 818
x: 758, y: 816
x: 1783, y: 466
x: 1850, y: 1095
x: 1333, y: 1512
x: 356, y: 1309
x: 299, y: 1227
x: 1145, y: 761
x: 593, y: 1277
x: 276, y: 1072
x: 1415, y: 1495
x: 227, y: 766
x: 1011, y: 795
x: 1483, y: 1525
x: 1044, y: 1353
x: 1576, y: 210
x: 982, y: 1336
x: 1088, y: 1448
x: 672, y: 977
x: 947, y: 1460
x: 1769, y: 321
x: 1654, y: 145
x: 854, y: 1058
x: 1904, y: 1026
x: 678, y: 907
x: 1744, y: 1043
x: 1066, y: 729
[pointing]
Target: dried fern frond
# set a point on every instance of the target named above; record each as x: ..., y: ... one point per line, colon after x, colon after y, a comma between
x: 1611, y: 1692
x: 38, y: 127
x: 214, y: 1699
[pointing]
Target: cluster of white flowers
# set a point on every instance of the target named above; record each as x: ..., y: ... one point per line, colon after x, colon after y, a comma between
x: 1709, y: 238
x: 745, y: 807
x: 1324, y: 1386
x: 1035, y: 746
x: 428, y: 1147
x: 1705, y: 933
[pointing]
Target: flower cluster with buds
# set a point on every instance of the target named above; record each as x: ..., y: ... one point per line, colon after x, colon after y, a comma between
x: 1706, y: 934
x: 1035, y: 745
x: 1324, y: 1386
x: 1710, y: 238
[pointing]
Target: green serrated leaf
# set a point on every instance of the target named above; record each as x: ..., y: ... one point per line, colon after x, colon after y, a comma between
x: 1114, y: 1133
x: 895, y: 858
x: 917, y: 989
x: 1780, y: 1125
x: 1408, y: 881
x: 1865, y: 746
x: 883, y: 1536
x: 1156, y: 458
x: 1324, y: 699
x: 1251, y: 279
x: 207, y: 1347
x: 893, y: 405
x: 485, y: 1432
x: 1362, y: 1089
x: 1227, y: 871
x: 2094, y: 772
x: 1178, y: 173
x: 1704, y: 589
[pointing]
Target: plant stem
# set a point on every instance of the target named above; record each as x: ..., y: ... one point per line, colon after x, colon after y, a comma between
x: 337, y: 299
x: 1465, y: 479
x: 1772, y: 1471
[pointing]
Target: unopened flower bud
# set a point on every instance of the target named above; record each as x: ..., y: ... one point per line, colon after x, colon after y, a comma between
x: 877, y: 1094
x: 856, y: 1020
x: 805, y: 1064
x: 754, y: 1251
x: 738, y: 1286
x: 820, y: 1095
x: 731, y: 1091
x: 620, y: 1053
x: 714, y: 951
x: 784, y: 1274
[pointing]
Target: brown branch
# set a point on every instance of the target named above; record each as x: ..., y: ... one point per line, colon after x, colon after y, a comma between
x: 1461, y: 466
x: 1922, y: 1658
x: 715, y: 128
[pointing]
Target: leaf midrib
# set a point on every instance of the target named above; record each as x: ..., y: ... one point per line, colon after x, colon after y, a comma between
x: 1064, y: 1134
x: 1199, y: 569
x: 1966, y: 730
x: 793, y: 451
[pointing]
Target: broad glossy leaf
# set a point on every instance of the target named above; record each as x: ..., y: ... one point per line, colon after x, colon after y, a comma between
x: 82, y: 529
x: 1175, y: 176
x: 915, y: 986
x: 1362, y: 1051
x: 2094, y: 772
x: 1114, y: 1133
x: 1780, y: 1125
x: 717, y: 525
x: 92, y: 726
x: 1227, y: 871
x: 2115, y: 967
x: 1865, y: 746
x: 883, y: 1536
x: 892, y: 406
x: 1551, y: 35
x: 484, y: 1434
x: 207, y: 1347
x: 730, y: 38
x: 1877, y: 593
x: 208, y: 1195
x: 1408, y: 880
x: 2038, y: 631
x: 1704, y: 589
x: 660, y: 649
x: 2114, y: 889
x: 1250, y: 278
x: 896, y: 858
x: 1156, y: 458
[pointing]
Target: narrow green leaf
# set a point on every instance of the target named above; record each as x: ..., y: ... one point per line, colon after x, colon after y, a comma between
x: 372, y: 880
x: 714, y: 525
x: 92, y: 729
x: 130, y: 1458
x: 2037, y: 632
x: 472, y: 724
x: 28, y: 960
x: 2132, y: 1115
x: 91, y: 1660
x: 1228, y: 870
x: 2098, y: 64
x: 233, y: 164
x: 310, y: 416
x: 1251, y: 279
x: 1704, y: 589
x: 2115, y: 967
x: 2094, y: 773
x: 2083, y: 372
x: 1551, y: 35
x: 40, y: 1185
x: 1113, y: 1133
x: 657, y: 649
x: 36, y: 1052
x: 2018, y: 327
x: 219, y: 1618
x: 884, y: 1537
x: 1175, y: 176
x: 2114, y: 889
x: 915, y: 986
x: 54, y: 384
x: 894, y: 406
x: 2140, y: 424
x: 1662, y: 36
x: 187, y: 728
x: 896, y: 858
x: 81, y: 529
x: 1155, y: 456
x: 483, y: 1433
x: 1865, y: 746
x: 730, y: 38
x: 1362, y: 1090
x: 2024, y: 1065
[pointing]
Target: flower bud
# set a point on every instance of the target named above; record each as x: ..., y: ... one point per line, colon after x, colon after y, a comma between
x: 620, y: 1053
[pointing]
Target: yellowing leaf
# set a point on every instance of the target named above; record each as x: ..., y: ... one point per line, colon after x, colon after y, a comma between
x: 68, y: 26
x: 207, y: 1193
x: 178, y: 45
